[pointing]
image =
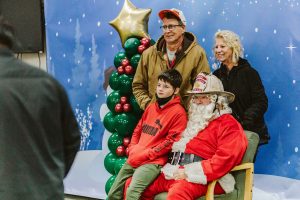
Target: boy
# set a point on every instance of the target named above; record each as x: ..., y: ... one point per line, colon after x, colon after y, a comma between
x: 152, y: 139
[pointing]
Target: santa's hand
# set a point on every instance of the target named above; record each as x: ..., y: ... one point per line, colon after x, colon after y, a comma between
x: 179, y: 174
x: 169, y: 170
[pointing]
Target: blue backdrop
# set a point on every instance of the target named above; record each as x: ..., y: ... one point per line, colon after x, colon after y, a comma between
x: 81, y: 46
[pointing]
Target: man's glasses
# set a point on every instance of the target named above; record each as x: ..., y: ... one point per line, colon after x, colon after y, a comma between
x: 170, y: 27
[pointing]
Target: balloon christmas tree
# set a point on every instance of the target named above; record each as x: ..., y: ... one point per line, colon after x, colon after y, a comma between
x: 124, y: 110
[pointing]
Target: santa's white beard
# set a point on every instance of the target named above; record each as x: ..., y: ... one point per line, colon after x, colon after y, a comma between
x: 200, y: 113
x: 199, y: 118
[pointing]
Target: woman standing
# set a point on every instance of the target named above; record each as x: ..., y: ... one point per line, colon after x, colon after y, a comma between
x: 241, y: 79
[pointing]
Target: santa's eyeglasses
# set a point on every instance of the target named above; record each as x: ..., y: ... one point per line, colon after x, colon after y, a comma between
x: 200, y: 96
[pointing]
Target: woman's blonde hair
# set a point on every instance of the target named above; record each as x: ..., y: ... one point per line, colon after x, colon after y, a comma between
x: 232, y: 40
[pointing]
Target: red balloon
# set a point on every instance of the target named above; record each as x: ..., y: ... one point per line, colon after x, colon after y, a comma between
x: 141, y: 48
x: 145, y: 42
x: 123, y: 100
x: 126, y: 141
x: 127, y: 107
x: 120, y: 151
x: 118, y: 108
x: 127, y: 151
x: 120, y: 70
x: 129, y: 70
x: 125, y: 62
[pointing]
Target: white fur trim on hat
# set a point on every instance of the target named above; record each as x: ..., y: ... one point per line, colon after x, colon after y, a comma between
x: 195, y: 174
x: 169, y: 170
x: 227, y: 182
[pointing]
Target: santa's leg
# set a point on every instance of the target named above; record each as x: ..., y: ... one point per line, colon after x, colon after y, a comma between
x: 184, y: 190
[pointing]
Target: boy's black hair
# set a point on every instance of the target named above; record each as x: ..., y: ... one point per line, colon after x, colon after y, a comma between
x: 171, y: 76
x: 7, y: 33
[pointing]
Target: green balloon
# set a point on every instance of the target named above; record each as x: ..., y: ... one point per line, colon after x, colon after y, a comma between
x: 114, y: 141
x: 113, y: 99
x: 125, y: 124
x: 109, y: 162
x: 118, y: 58
x: 131, y: 46
x: 109, y: 122
x: 125, y: 82
x: 114, y: 80
x: 135, y: 106
x: 134, y: 61
x: 109, y: 183
x: 119, y: 164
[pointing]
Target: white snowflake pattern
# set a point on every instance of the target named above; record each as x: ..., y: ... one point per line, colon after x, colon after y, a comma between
x: 86, y: 125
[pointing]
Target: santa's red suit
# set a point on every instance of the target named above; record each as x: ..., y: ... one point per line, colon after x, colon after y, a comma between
x: 221, y: 144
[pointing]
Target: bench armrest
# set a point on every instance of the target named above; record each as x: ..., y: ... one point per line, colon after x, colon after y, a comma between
x: 249, y: 167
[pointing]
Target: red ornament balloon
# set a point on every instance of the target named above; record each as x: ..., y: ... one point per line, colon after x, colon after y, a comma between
x: 127, y: 151
x: 126, y: 141
x: 145, y: 42
x: 118, y: 108
x: 141, y: 48
x: 125, y: 62
x: 127, y: 107
x: 129, y: 70
x: 121, y: 70
x: 123, y: 100
x: 120, y: 151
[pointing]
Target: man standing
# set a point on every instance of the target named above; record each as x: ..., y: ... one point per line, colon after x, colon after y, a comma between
x: 39, y: 135
x: 176, y: 49
x: 211, y: 145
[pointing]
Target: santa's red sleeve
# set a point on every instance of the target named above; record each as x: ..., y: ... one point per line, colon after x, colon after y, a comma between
x: 231, y: 145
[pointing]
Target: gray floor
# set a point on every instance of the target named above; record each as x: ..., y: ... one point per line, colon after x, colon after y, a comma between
x: 73, y: 197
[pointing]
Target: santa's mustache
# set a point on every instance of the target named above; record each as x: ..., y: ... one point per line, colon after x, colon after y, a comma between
x: 199, y: 117
x: 201, y: 112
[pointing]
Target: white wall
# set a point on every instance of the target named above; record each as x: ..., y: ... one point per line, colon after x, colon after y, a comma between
x: 33, y: 59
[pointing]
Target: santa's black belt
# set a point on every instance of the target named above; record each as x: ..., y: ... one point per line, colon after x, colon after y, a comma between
x: 179, y: 158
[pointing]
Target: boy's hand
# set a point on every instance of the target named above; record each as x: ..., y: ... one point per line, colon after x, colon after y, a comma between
x: 138, y: 159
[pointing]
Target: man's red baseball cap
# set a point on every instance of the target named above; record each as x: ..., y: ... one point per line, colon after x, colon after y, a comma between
x: 177, y: 13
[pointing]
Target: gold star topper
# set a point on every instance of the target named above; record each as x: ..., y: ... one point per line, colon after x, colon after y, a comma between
x: 131, y: 22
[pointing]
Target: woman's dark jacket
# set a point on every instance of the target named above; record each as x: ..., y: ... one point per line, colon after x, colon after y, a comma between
x: 250, y: 102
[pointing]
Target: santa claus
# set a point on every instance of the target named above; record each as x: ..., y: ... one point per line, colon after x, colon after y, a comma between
x: 211, y: 145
